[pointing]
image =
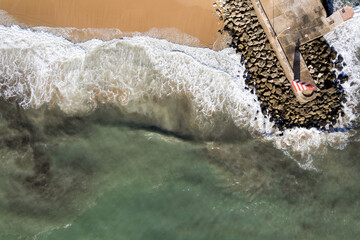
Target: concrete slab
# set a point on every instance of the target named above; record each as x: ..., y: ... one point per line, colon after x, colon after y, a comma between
x: 290, y: 23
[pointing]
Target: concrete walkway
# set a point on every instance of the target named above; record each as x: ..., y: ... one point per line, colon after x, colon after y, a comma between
x: 291, y: 23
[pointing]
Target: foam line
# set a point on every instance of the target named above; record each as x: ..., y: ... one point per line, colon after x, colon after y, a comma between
x: 174, y: 87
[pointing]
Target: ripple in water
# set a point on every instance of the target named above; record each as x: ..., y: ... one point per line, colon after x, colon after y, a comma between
x: 86, y: 109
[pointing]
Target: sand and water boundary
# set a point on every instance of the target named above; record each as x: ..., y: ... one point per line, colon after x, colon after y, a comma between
x: 189, y: 22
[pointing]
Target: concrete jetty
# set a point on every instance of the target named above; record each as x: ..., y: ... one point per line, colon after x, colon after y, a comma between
x: 289, y: 24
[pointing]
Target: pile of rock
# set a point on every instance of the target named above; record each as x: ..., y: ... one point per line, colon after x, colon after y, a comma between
x: 265, y: 77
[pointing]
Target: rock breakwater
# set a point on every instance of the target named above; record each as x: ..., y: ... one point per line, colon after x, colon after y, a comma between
x: 265, y: 77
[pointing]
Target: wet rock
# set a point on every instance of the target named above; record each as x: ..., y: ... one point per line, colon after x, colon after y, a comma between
x: 268, y: 80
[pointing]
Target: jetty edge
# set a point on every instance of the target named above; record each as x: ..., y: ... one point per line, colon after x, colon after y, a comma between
x: 290, y: 24
x: 265, y: 77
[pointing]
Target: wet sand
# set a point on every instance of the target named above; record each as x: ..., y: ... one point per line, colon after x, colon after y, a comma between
x: 170, y: 19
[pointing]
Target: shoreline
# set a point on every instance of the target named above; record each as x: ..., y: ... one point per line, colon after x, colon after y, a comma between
x: 188, y: 22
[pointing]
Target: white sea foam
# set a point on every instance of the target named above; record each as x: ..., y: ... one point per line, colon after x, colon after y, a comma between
x: 174, y: 87
x: 338, y: 4
x: 78, y: 35
x: 138, y: 74
x: 6, y: 19
x: 346, y: 40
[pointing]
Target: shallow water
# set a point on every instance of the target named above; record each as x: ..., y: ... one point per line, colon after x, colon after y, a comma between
x: 141, y: 138
x: 192, y: 22
x: 109, y: 179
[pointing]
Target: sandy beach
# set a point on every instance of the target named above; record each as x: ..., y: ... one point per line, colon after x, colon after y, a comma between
x: 191, y: 22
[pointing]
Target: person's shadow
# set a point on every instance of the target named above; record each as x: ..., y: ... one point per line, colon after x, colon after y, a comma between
x: 309, y: 90
x: 296, y: 66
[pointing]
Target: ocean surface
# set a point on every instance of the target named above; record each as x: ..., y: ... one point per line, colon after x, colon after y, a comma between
x: 140, y: 138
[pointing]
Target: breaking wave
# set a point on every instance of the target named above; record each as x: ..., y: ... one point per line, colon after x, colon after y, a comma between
x: 175, y: 87
x: 77, y: 35
x: 187, y: 90
x: 307, y: 142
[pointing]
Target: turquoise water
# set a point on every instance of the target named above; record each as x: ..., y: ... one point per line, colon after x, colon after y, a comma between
x: 112, y: 180
x: 161, y: 141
